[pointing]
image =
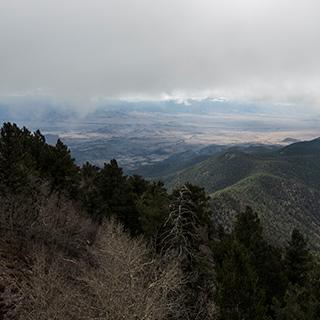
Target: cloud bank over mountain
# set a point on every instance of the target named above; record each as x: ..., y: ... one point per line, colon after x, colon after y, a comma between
x: 90, y: 49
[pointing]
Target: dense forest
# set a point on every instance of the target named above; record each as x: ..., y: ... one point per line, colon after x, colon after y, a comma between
x: 93, y: 243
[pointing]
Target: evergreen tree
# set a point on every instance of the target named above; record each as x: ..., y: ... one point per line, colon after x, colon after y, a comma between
x: 62, y: 170
x: 16, y: 165
x: 302, y: 302
x: 138, y: 185
x: 117, y: 197
x: 246, y: 255
x: 302, y: 297
x: 238, y: 293
x: 264, y: 258
x: 297, y: 258
x: 89, y: 193
x: 38, y: 150
x: 153, y: 208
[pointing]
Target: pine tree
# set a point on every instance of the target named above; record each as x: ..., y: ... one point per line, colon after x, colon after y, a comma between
x: 297, y: 258
x: 246, y: 255
x: 265, y: 258
x: 16, y: 163
x: 89, y: 193
x: 62, y: 170
x: 153, y: 208
x: 38, y: 149
x: 238, y: 294
x: 302, y: 302
x: 117, y: 197
x: 138, y: 185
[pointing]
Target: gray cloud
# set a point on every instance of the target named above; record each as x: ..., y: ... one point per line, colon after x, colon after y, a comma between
x: 242, y: 49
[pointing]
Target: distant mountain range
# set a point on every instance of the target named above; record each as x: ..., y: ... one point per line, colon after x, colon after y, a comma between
x: 281, y: 184
x: 139, y: 133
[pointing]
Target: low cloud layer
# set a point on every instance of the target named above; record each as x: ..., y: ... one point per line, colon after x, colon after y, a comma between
x: 88, y: 49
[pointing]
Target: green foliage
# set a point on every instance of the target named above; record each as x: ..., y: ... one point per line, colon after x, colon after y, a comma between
x: 265, y: 258
x: 116, y: 196
x: 153, y: 208
x: 301, y: 300
x: 140, y: 205
x: 300, y: 303
x: 239, y: 295
x: 89, y: 194
x: 16, y: 163
x: 254, y: 280
x: 297, y: 259
x: 249, y: 272
x: 63, y: 171
x: 24, y: 157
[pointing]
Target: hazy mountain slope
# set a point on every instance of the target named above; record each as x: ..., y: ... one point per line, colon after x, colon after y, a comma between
x: 302, y: 148
x: 177, y: 162
x: 226, y: 169
x: 282, y: 204
x: 170, y: 165
x: 216, y: 172
x: 283, y: 186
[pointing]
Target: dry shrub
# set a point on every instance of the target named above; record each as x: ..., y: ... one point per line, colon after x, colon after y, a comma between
x: 14, y: 267
x: 51, y: 290
x: 48, y: 219
x: 63, y: 226
x: 126, y: 283
x: 42, y: 245
x: 129, y: 283
x: 51, y: 269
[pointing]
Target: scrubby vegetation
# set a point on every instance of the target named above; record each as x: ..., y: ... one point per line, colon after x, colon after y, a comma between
x: 282, y: 185
x: 93, y: 243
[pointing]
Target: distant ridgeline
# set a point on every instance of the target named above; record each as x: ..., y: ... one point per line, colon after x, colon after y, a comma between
x: 93, y: 243
x: 282, y: 186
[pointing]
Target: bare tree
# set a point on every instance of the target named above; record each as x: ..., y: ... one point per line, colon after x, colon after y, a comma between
x: 130, y: 282
x: 60, y: 274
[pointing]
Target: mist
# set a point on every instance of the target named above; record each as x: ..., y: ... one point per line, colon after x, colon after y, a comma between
x: 84, y: 51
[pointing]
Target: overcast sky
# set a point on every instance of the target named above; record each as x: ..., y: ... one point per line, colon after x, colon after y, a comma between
x: 240, y: 49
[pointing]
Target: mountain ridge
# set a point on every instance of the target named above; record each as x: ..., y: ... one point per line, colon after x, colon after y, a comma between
x: 283, y: 186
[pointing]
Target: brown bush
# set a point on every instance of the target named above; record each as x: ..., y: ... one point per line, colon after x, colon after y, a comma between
x: 48, y: 219
x: 130, y: 283
x: 52, y: 290
x: 51, y: 267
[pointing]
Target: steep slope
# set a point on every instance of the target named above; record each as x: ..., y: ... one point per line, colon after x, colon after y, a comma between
x: 170, y: 165
x: 282, y: 204
x: 282, y: 186
x: 216, y: 172
x: 302, y: 148
x: 182, y: 160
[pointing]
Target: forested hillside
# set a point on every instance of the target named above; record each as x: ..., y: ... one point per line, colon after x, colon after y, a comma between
x: 283, y: 186
x: 93, y: 243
